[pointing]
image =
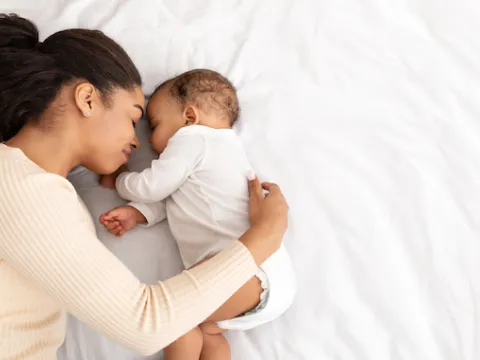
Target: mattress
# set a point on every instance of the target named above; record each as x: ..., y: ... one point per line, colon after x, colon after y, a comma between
x: 367, y: 115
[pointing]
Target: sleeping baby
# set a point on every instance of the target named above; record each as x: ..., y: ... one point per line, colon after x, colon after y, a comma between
x: 199, y: 184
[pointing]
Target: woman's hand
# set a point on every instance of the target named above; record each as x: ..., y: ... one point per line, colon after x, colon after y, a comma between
x: 269, y: 219
x: 270, y: 210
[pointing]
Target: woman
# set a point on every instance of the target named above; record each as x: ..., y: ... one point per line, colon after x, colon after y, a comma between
x: 75, y: 99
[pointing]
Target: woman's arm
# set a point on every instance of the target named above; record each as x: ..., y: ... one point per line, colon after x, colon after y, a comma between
x: 46, y: 240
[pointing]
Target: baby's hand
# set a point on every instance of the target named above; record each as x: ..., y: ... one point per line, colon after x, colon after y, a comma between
x: 121, y: 219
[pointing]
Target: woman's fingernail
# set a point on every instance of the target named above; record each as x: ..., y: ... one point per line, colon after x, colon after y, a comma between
x: 251, y: 175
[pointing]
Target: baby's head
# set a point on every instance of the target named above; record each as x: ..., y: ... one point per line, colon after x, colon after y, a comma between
x: 197, y: 97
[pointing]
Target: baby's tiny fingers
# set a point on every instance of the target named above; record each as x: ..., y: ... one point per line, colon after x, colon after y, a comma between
x: 111, y: 225
x: 107, y: 216
x: 118, y: 230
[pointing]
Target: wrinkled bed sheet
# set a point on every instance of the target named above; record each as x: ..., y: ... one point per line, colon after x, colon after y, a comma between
x: 367, y: 114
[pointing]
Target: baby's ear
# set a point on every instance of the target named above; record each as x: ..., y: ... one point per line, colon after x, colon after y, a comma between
x: 191, y: 115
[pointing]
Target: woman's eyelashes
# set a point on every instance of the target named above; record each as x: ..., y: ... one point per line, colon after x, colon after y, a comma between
x: 134, y: 124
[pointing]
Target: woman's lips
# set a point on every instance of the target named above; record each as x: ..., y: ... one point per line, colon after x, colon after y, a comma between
x: 126, y: 154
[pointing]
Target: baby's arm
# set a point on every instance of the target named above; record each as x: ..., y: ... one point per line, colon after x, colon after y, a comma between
x: 124, y: 218
x: 153, y: 212
x: 167, y: 173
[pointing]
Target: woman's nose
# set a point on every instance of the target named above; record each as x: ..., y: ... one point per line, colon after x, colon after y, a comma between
x: 135, y: 143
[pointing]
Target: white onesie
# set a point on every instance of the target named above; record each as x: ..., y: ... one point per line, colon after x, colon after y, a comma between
x: 200, y: 183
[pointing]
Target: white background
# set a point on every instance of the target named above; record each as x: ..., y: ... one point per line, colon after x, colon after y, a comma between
x: 367, y: 113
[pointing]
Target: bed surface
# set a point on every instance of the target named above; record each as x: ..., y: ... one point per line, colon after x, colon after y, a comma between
x: 367, y: 114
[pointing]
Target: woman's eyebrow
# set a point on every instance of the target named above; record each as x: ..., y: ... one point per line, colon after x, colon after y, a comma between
x: 139, y: 108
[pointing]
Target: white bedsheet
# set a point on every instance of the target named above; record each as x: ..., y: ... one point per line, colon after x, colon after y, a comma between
x: 367, y: 114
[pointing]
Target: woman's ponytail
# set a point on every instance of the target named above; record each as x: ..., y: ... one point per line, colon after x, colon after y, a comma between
x: 29, y: 79
x: 33, y: 73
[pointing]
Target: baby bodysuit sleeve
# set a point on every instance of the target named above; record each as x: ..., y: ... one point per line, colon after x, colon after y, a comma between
x: 153, y: 212
x: 185, y: 150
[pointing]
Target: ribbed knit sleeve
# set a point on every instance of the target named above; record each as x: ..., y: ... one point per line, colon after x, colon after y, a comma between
x: 46, y: 237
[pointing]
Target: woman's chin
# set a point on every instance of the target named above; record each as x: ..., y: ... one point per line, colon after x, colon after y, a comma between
x: 104, y: 169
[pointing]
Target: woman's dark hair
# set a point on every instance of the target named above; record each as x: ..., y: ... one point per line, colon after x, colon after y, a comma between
x: 32, y: 73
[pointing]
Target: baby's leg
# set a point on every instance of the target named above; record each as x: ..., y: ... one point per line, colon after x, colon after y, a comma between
x: 245, y: 299
x: 187, y: 347
x: 215, y: 346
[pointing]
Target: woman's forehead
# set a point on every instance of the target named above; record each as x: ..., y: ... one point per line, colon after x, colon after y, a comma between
x: 139, y: 96
x: 134, y: 96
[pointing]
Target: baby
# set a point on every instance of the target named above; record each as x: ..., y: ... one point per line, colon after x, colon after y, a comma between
x: 199, y: 184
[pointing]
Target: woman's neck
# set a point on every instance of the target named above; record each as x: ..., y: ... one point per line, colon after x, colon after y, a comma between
x: 53, y: 152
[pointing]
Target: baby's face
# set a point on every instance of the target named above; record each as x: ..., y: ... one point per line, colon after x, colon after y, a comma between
x: 165, y: 117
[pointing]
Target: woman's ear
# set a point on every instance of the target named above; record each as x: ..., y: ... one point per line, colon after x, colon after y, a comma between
x: 191, y: 115
x: 85, y: 98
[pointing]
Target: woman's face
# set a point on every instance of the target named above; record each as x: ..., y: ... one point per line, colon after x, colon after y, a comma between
x: 110, y: 136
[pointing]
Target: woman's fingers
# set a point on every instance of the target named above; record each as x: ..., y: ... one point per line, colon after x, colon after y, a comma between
x: 255, y: 189
x: 270, y: 186
x: 274, y: 191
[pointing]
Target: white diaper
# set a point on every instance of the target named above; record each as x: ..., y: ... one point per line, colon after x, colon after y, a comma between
x: 278, y: 281
x: 260, y: 274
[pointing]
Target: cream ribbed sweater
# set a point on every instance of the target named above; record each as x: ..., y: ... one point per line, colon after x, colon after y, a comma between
x: 52, y: 262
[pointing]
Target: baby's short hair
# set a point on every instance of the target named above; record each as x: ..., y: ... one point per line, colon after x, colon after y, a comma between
x: 206, y: 89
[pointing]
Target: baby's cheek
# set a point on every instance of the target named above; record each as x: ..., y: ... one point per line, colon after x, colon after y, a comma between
x: 158, y: 143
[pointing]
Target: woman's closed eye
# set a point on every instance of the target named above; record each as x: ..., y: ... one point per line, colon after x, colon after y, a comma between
x: 134, y: 124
